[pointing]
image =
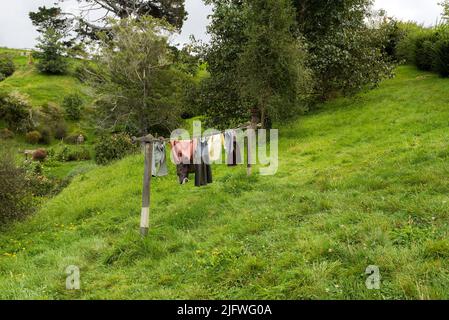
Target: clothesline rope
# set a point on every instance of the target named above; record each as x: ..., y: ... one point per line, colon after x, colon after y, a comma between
x: 162, y: 139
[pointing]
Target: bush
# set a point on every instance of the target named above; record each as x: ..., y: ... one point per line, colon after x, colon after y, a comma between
x: 441, y: 54
x: 84, y: 71
x: 6, y: 134
x: 113, y: 147
x: 7, y: 67
x: 73, y: 138
x: 15, y: 111
x: 39, y: 155
x: 60, y: 130
x: 46, y: 135
x: 33, y: 137
x: 68, y: 154
x: 73, y: 106
x: 50, y: 55
x: 51, y: 113
x: 38, y: 184
x: 406, y: 48
x: 15, y: 197
x: 424, y: 53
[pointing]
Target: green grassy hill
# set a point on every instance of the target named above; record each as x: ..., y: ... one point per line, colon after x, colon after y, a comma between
x: 41, y: 88
x: 363, y: 181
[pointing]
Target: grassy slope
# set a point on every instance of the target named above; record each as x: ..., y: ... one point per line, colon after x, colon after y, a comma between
x: 41, y: 88
x: 363, y: 181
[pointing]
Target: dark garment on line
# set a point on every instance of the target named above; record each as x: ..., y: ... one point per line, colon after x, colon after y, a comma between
x: 203, y: 173
x: 183, y: 171
x: 233, y: 152
x: 203, y: 170
x: 200, y: 166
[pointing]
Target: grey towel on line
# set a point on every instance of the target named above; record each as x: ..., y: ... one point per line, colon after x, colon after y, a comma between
x: 159, y: 165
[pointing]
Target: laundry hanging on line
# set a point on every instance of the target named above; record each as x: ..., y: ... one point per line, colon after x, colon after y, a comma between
x: 203, y: 170
x: 159, y: 165
x: 197, y: 155
x: 215, y: 147
x: 232, y: 148
x: 183, y: 150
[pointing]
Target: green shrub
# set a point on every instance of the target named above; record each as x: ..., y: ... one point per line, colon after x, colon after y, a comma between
x: 68, y: 154
x: 60, y: 130
x: 6, y: 134
x: 33, y: 137
x: 15, y: 197
x: 46, y: 135
x: 39, y: 155
x: 2, y: 77
x: 73, y: 106
x: 113, y: 147
x: 15, y: 111
x: 84, y: 71
x: 73, y: 138
x: 441, y: 55
x: 39, y: 185
x: 51, y: 113
x: 7, y: 67
x: 51, y: 53
x: 406, y: 48
x: 424, y: 54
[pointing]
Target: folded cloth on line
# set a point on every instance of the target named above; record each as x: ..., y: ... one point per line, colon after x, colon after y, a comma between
x: 159, y: 165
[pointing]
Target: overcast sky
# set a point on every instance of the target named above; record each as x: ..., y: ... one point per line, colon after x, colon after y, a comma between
x: 16, y: 30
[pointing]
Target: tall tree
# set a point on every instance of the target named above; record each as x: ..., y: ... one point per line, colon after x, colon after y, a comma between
x: 173, y: 11
x: 137, y: 88
x: 45, y: 18
x: 445, y: 5
x: 220, y: 99
x: 272, y: 72
x: 345, y: 53
x: 53, y: 21
x: 51, y: 53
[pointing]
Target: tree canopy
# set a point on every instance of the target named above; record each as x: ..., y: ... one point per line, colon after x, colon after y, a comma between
x: 173, y: 11
x: 136, y: 85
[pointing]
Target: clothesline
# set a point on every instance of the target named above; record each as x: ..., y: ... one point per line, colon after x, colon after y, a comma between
x: 203, y: 173
x: 162, y: 139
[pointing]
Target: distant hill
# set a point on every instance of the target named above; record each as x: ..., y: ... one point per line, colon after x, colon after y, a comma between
x: 39, y: 87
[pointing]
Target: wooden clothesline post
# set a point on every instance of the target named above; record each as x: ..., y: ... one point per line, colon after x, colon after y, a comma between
x: 148, y: 142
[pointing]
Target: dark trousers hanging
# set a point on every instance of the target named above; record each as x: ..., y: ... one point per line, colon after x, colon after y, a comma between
x: 183, y: 171
x: 234, y: 156
x: 203, y: 174
x: 203, y: 170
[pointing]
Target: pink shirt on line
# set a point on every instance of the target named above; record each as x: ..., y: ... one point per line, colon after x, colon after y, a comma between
x: 183, y: 150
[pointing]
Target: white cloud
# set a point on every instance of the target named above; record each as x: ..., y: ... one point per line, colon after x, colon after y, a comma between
x: 422, y: 11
